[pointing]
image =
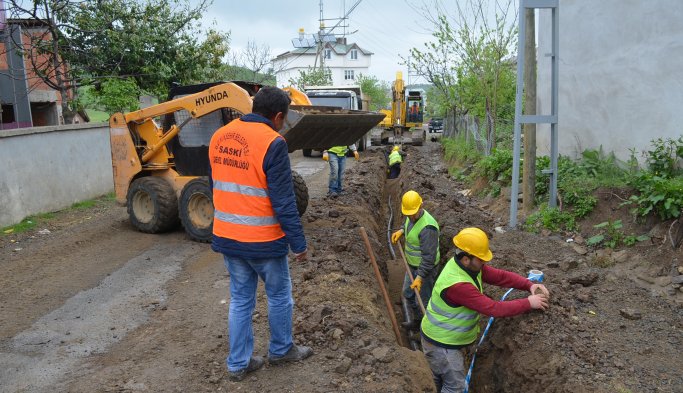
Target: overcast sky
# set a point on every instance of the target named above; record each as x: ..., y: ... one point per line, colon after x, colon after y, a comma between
x: 388, y: 28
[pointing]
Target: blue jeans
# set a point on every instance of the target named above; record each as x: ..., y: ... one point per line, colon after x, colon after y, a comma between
x: 337, y: 164
x: 244, y: 274
x: 425, y: 291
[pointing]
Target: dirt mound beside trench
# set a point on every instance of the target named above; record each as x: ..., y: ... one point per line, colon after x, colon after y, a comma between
x: 606, y: 330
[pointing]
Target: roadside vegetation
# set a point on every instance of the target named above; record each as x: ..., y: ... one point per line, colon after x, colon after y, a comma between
x: 656, y: 188
x: 36, y: 220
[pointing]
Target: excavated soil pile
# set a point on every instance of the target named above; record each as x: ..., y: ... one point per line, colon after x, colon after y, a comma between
x: 615, y: 319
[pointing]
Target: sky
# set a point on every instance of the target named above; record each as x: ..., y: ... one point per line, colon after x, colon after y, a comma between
x: 387, y: 28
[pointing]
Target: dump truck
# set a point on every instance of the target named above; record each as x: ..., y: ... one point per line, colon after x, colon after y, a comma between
x: 403, y: 123
x: 344, y: 97
x: 160, y: 155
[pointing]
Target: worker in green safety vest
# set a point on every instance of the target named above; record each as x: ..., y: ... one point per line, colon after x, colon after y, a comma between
x: 336, y: 157
x: 451, y: 321
x: 421, y: 249
x: 395, y: 160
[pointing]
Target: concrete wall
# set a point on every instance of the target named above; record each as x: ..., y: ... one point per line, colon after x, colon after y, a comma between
x: 620, y: 74
x: 44, y: 169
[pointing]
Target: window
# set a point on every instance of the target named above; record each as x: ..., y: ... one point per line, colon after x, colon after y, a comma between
x: 348, y: 75
x: 328, y: 54
x: 354, y: 54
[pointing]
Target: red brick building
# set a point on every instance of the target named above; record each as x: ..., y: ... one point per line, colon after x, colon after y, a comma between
x: 27, y: 101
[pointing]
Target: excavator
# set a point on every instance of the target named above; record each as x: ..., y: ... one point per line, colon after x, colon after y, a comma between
x: 403, y: 123
x: 160, y: 155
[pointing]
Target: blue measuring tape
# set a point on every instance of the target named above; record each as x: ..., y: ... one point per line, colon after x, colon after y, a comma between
x: 534, y: 275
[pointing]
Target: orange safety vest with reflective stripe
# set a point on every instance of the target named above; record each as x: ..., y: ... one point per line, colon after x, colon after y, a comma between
x: 242, y: 208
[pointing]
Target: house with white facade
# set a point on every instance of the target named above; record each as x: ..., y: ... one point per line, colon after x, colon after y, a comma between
x: 344, y: 61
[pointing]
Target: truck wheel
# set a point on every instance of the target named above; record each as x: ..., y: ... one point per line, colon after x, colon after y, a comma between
x: 152, y: 205
x: 196, y: 210
x: 300, y: 192
x: 307, y: 152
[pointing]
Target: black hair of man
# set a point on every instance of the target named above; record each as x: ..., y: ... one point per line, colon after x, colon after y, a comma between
x: 269, y: 101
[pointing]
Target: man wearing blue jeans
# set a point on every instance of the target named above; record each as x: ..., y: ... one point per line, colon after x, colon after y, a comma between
x: 336, y: 156
x: 255, y: 224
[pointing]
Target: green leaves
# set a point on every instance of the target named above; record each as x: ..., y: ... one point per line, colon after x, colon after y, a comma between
x: 611, y: 235
x: 377, y: 91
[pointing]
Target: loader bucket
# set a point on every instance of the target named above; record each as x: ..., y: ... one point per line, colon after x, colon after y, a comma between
x: 321, y: 127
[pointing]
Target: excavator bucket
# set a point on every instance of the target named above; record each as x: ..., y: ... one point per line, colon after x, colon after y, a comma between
x: 321, y: 127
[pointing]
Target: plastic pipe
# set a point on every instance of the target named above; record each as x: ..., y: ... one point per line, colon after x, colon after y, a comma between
x: 534, y: 275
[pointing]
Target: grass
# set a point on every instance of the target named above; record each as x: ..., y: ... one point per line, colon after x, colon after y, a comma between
x: 31, y: 222
x: 27, y: 223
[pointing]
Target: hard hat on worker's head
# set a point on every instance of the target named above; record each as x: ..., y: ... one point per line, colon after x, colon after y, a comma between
x: 411, y: 202
x: 474, y: 242
x: 397, y: 148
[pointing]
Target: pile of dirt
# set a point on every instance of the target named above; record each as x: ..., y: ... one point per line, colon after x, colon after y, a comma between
x: 615, y: 318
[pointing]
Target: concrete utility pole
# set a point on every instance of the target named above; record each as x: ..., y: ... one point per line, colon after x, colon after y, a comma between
x: 529, y: 170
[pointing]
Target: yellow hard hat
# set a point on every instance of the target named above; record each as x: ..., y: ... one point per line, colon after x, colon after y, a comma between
x: 411, y: 203
x: 474, y: 242
x: 397, y: 148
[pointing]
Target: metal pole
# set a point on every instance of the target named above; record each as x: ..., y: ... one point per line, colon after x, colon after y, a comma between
x: 518, y: 118
x: 554, y: 106
x: 380, y: 281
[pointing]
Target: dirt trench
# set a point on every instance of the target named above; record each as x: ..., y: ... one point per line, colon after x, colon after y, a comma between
x: 611, y: 327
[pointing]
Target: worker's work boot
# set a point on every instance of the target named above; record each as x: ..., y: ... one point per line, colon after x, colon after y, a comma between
x: 295, y: 353
x: 255, y: 363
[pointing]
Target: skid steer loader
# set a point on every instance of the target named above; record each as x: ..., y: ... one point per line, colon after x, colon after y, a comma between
x: 160, y: 154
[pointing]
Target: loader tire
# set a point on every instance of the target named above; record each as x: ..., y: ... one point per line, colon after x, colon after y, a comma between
x: 300, y: 192
x: 307, y: 152
x: 152, y: 205
x: 196, y: 210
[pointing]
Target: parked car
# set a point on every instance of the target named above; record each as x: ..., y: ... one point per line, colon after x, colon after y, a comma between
x: 436, y: 124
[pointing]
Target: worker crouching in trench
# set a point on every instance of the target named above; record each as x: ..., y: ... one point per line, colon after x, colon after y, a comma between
x: 422, y: 252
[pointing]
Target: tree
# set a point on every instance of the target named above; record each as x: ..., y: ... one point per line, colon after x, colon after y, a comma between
x: 253, y: 64
x: 377, y: 91
x: 469, y: 61
x: 312, y: 77
x: 151, y: 42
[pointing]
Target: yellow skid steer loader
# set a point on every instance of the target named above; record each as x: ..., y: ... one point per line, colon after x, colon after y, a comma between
x: 160, y: 154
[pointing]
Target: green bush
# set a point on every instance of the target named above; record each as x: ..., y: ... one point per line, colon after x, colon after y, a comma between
x: 550, y: 218
x: 660, y: 188
x: 459, y: 151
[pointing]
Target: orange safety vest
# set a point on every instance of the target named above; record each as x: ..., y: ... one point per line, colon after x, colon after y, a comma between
x: 242, y: 208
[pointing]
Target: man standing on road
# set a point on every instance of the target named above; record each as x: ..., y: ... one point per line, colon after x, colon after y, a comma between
x: 421, y: 249
x: 336, y: 156
x: 451, y: 322
x: 255, y: 224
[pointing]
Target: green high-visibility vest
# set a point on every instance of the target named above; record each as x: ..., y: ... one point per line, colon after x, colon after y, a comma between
x: 395, y: 158
x: 451, y: 325
x: 412, y: 248
x: 339, y: 150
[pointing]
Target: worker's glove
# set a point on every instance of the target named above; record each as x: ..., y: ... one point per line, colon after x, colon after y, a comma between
x: 417, y: 284
x: 396, y: 235
x: 356, y: 155
x: 326, y: 157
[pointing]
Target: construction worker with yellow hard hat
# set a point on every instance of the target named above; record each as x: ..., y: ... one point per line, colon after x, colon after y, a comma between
x: 395, y: 160
x: 451, y: 321
x: 421, y: 249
